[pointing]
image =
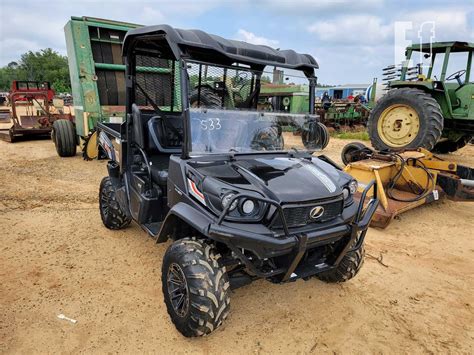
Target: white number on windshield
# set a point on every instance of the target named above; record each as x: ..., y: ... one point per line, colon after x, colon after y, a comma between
x: 211, y: 124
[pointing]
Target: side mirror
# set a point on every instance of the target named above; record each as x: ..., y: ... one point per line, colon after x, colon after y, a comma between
x: 315, y: 136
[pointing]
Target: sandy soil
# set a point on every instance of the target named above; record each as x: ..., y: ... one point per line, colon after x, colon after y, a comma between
x: 56, y: 257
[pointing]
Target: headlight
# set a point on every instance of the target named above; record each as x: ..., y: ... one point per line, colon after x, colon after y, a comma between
x: 226, y: 199
x: 239, y: 206
x: 248, y: 207
x: 349, y: 190
x: 353, y: 187
x: 346, y: 193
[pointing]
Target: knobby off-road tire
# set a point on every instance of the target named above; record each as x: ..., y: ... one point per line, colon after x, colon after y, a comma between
x: 348, y: 268
x: 195, y: 287
x: 208, y: 98
x: 428, y: 111
x: 64, y: 138
x: 112, y: 215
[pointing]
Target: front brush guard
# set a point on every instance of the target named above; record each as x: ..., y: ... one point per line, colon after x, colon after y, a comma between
x: 300, y: 242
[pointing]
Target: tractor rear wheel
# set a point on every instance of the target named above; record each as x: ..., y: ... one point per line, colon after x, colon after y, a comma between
x: 206, y: 98
x: 64, y: 138
x: 405, y: 118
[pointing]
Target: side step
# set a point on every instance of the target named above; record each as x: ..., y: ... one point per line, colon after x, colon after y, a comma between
x: 152, y: 228
x: 307, y: 270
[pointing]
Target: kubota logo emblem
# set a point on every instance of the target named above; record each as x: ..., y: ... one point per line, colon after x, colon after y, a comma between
x: 316, y: 212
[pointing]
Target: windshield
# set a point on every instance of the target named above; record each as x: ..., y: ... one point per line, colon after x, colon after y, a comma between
x: 237, y: 109
x: 215, y: 131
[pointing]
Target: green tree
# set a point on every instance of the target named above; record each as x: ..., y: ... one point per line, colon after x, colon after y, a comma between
x: 266, y: 79
x: 43, y: 65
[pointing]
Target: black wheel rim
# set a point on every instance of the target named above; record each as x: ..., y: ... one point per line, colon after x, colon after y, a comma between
x: 178, y: 290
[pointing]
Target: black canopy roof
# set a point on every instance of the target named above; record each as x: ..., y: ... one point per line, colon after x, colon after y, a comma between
x: 440, y: 47
x: 199, y: 45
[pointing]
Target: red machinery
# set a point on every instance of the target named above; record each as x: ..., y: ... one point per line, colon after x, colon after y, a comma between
x: 31, y: 114
x: 31, y: 87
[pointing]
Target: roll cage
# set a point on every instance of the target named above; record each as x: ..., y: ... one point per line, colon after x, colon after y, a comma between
x: 178, y: 47
x: 446, y: 48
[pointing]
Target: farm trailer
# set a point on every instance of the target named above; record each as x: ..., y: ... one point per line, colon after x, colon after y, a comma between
x: 97, y: 72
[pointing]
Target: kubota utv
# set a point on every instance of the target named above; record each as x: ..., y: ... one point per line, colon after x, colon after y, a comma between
x: 433, y: 111
x: 219, y: 182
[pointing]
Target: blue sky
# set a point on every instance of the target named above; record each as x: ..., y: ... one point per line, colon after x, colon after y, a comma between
x: 352, y: 40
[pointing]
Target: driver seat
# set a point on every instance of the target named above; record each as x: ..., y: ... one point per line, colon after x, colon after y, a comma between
x: 159, y: 168
x: 158, y: 164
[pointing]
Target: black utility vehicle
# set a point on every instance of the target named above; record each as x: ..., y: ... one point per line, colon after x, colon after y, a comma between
x: 197, y: 162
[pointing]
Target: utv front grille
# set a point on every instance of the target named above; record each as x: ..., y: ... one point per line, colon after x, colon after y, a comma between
x: 297, y: 216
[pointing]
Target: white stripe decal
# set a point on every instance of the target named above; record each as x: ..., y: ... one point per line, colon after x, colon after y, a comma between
x: 195, y: 192
x: 323, y: 178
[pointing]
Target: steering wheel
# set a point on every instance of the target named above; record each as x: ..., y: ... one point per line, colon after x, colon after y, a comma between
x: 243, y: 75
x: 456, y: 76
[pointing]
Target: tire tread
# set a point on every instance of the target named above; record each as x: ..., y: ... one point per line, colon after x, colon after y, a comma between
x: 431, y: 112
x: 64, y: 135
x: 348, y: 268
x: 208, y: 286
x: 116, y: 218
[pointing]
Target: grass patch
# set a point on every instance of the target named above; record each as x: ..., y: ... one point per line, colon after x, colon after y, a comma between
x: 360, y: 135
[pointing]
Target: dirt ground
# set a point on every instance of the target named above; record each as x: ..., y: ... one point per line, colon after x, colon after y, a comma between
x: 56, y: 257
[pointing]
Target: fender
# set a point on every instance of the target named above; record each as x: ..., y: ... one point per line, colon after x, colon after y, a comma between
x: 187, y: 214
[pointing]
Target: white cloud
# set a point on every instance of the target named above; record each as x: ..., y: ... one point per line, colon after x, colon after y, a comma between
x: 352, y: 30
x: 151, y: 15
x: 250, y: 37
x: 450, y: 24
x: 311, y: 7
x: 39, y: 27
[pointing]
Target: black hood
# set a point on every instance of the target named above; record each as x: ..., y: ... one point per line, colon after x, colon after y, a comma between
x: 283, y: 179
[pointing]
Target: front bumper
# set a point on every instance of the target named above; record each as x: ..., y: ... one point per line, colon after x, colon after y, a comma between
x: 354, y: 223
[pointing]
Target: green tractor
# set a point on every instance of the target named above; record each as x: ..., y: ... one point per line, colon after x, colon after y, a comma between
x: 214, y: 88
x: 434, y: 111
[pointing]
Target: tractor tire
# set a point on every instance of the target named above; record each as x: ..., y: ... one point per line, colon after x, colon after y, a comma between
x: 208, y: 98
x: 405, y: 118
x: 64, y: 138
x: 348, y: 268
x: 110, y: 211
x: 195, y: 287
